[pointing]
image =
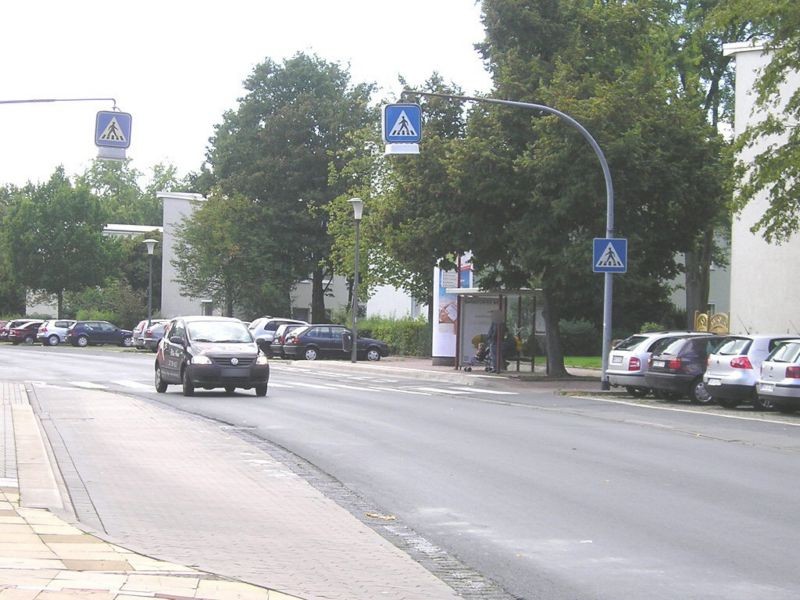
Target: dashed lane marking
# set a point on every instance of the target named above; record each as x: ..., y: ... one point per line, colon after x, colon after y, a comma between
x: 451, y: 391
x: 135, y: 385
x: 485, y: 391
x: 88, y: 385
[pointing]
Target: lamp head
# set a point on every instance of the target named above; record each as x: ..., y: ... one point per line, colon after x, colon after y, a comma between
x: 358, y: 207
x: 151, y: 245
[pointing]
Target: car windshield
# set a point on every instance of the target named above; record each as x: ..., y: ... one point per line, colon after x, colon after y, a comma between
x: 219, y: 331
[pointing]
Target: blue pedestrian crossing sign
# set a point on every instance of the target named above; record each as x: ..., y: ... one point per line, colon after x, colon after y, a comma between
x: 112, y: 129
x: 610, y: 255
x: 402, y: 123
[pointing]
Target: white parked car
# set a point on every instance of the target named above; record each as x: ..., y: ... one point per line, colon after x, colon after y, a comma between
x: 734, y: 368
x: 263, y: 330
x: 627, y: 361
x: 779, y: 382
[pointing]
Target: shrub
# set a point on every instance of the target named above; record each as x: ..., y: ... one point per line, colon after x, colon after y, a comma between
x: 580, y: 338
x: 405, y: 337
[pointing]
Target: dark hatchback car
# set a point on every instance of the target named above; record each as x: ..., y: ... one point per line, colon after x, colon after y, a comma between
x: 281, y: 333
x: 210, y: 352
x: 330, y: 341
x: 97, y: 333
x: 677, y: 365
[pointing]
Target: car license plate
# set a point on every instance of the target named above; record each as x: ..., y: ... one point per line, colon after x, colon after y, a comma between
x: 233, y: 372
x: 714, y: 381
x: 658, y: 363
x: 616, y: 360
x: 766, y: 387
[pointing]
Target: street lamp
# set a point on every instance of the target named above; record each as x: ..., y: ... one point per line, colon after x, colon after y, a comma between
x: 358, y: 207
x: 151, y: 246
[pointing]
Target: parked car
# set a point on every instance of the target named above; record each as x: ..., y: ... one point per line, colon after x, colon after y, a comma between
x: 9, y: 325
x: 779, y: 381
x: 628, y: 360
x: 264, y: 329
x: 25, y: 333
x: 54, y: 331
x: 140, y: 333
x: 733, y: 369
x: 154, y: 334
x: 210, y: 352
x: 330, y: 341
x: 276, y: 347
x: 677, y: 365
x: 97, y: 333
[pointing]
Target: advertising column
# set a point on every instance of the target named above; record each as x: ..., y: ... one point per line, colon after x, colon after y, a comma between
x: 445, y: 317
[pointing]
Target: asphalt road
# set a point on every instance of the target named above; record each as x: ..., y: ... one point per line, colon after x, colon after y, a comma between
x: 551, y: 496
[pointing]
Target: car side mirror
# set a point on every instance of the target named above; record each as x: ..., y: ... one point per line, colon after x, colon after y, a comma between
x: 176, y: 339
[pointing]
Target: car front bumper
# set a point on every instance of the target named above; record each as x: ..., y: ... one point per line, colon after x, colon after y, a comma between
x: 212, y: 376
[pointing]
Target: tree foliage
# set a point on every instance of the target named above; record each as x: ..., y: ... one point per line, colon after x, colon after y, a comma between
x: 53, y: 237
x: 277, y: 148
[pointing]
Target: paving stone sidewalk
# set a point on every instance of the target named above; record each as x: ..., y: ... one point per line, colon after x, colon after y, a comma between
x: 180, y: 488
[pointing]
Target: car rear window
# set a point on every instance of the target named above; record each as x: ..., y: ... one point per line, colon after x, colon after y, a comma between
x: 734, y: 347
x: 668, y: 346
x: 631, y: 342
x: 788, y: 352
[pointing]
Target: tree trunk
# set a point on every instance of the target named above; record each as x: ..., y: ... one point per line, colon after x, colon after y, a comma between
x: 318, y: 297
x: 698, y: 275
x: 554, y: 351
x: 60, y: 303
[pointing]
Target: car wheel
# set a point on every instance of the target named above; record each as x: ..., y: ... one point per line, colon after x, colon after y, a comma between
x: 637, y: 392
x: 127, y: 342
x: 727, y: 403
x: 29, y: 339
x: 698, y: 393
x: 83, y: 341
x: 161, y: 385
x: 53, y: 340
x: 310, y: 353
x: 229, y: 389
x: 261, y: 389
x: 763, y: 403
x: 188, y: 388
x: 373, y: 354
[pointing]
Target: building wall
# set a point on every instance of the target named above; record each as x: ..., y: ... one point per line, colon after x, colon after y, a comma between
x: 176, y: 207
x: 764, y: 286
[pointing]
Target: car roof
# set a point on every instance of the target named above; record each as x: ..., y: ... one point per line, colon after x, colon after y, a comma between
x: 200, y: 318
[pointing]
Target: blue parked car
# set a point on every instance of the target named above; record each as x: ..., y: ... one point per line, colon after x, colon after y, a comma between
x: 97, y: 333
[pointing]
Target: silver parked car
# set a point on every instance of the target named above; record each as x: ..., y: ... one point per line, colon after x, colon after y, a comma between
x: 779, y: 382
x: 54, y: 331
x: 627, y: 361
x: 264, y: 328
x: 734, y: 368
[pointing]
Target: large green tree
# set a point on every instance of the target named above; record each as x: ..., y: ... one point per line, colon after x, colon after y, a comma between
x: 53, y: 237
x: 278, y: 148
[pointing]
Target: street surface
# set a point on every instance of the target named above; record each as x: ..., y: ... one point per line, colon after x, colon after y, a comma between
x: 549, y: 496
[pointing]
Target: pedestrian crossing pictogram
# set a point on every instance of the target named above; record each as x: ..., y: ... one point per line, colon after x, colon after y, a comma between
x: 113, y: 132
x: 403, y: 127
x: 610, y: 255
x: 610, y: 258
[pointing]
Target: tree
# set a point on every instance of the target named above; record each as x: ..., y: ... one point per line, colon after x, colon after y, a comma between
x: 278, y: 147
x: 12, y: 295
x: 53, y: 237
x: 533, y: 187
x: 775, y: 170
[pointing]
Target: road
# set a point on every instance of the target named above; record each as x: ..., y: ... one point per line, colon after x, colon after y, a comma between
x: 550, y: 496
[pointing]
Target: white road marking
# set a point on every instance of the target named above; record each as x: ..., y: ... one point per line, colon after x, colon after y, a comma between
x: 135, y: 385
x: 485, y: 391
x: 88, y: 385
x: 453, y: 392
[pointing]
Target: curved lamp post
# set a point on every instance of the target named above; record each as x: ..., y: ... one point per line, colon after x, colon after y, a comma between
x: 358, y: 207
x: 151, y: 246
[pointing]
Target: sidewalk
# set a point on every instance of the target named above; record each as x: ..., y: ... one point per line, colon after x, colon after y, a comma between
x: 42, y: 557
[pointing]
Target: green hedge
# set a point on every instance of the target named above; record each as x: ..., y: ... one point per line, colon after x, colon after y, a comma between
x: 406, y: 337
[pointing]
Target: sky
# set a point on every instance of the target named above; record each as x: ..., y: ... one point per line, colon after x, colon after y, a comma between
x: 176, y: 66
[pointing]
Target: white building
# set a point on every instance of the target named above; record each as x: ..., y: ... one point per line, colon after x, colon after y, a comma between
x: 764, y: 285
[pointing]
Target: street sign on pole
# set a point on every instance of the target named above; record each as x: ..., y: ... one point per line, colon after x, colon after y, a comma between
x: 610, y: 255
x: 402, y: 128
x: 112, y: 134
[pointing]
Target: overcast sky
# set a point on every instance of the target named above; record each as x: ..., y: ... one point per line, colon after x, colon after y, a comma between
x: 177, y: 65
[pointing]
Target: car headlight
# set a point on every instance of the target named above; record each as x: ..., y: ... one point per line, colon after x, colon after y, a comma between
x: 261, y: 359
x: 201, y: 359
